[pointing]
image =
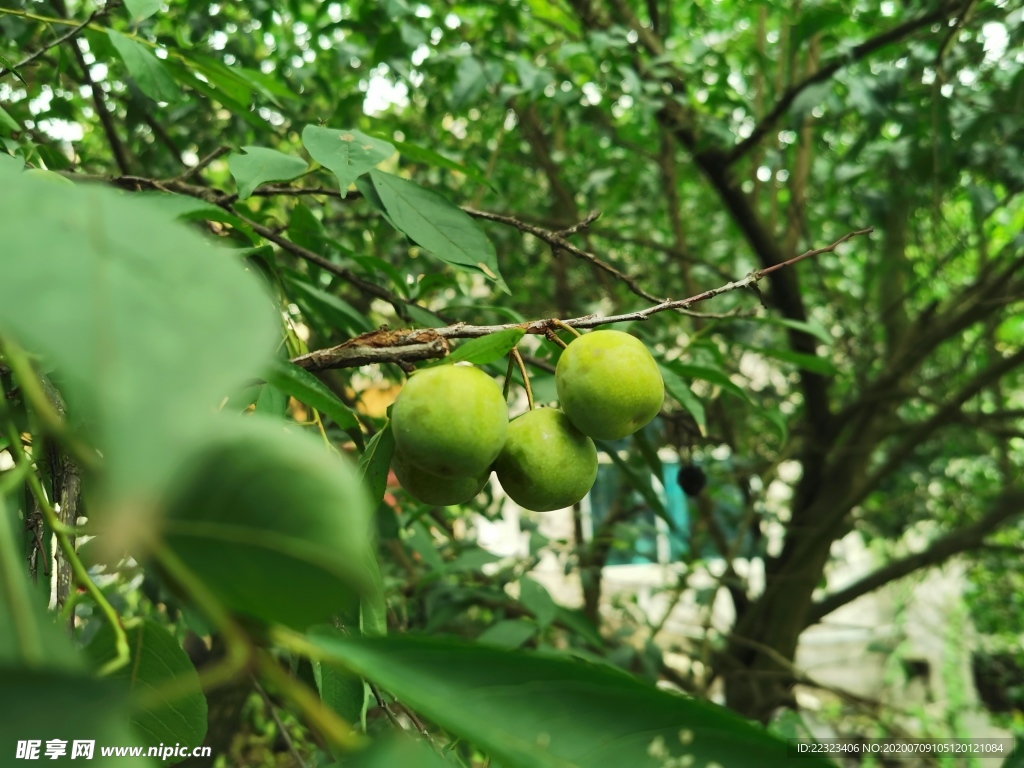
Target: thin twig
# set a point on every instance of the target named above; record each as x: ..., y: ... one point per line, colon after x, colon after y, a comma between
x: 826, y: 72
x: 69, y: 35
x: 526, y: 377
x: 190, y: 172
x: 363, y: 348
x: 277, y: 721
x: 586, y: 222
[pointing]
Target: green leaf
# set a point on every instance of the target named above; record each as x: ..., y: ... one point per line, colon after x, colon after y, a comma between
x: 10, y: 165
x: 145, y: 68
x: 308, y: 389
x: 8, y: 122
x: 813, y: 329
x: 228, y: 80
x: 1015, y: 759
x: 811, y: 363
x: 256, y: 165
x: 373, y: 610
x: 277, y: 527
x: 141, y: 9
x: 9, y: 65
x: 486, y: 349
x: 426, y: 156
x: 715, y: 376
x: 375, y: 463
x: 132, y: 308
x: 531, y: 710
x: 471, y: 79
x: 43, y: 704
x: 212, y: 89
x: 536, y: 599
x: 189, y: 208
x: 156, y: 660
x: 510, y: 634
x: 432, y: 221
x: 339, y: 689
x: 640, y: 482
x: 348, y: 154
x: 397, y: 751
x: 336, y: 312
x: 682, y: 393
x: 272, y: 401
x: 305, y: 229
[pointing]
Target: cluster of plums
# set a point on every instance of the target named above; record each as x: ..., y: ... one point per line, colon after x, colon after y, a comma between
x: 452, y: 429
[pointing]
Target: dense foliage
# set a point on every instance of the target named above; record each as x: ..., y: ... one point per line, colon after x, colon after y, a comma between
x: 229, y: 230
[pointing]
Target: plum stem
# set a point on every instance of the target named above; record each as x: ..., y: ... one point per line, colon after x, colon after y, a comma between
x: 514, y: 354
x: 551, y: 336
x: 565, y: 327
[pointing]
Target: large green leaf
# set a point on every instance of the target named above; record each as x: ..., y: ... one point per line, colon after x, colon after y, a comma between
x: 432, y: 221
x: 145, y: 68
x: 144, y: 320
x: 348, y: 154
x: 540, y: 711
x: 275, y: 525
x: 255, y: 165
x: 156, y: 660
x: 307, y: 388
x: 42, y: 705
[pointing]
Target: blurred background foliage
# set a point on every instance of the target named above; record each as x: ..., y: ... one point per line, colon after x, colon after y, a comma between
x: 876, y: 389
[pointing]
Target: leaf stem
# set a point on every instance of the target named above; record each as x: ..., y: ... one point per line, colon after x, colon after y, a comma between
x: 35, y: 396
x: 61, y: 531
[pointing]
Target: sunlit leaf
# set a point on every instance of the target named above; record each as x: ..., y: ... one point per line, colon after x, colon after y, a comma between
x: 433, y: 222
x: 348, y: 154
x: 145, y: 68
x: 256, y: 165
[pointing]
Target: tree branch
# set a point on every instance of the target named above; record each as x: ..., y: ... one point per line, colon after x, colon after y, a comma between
x: 1009, y: 505
x: 407, y: 346
x: 69, y: 35
x: 855, y: 54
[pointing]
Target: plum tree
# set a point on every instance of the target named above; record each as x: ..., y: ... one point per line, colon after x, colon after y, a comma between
x: 546, y: 463
x: 609, y: 384
x: 434, y: 489
x: 450, y: 420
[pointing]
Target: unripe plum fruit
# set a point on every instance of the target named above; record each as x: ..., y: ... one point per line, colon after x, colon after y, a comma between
x: 547, y: 463
x: 609, y: 384
x: 433, y: 489
x: 450, y: 420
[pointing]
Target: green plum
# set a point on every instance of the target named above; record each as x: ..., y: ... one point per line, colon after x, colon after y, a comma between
x: 450, y: 420
x: 547, y: 463
x: 609, y: 384
x: 433, y: 489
